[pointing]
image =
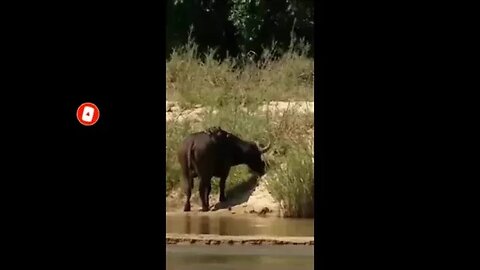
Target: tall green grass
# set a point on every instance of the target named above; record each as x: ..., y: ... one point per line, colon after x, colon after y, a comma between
x: 293, y: 184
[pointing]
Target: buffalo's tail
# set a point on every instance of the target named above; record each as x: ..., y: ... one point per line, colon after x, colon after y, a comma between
x: 189, y: 158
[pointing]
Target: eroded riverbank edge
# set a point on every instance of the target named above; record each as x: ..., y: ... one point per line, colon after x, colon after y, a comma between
x: 212, y: 239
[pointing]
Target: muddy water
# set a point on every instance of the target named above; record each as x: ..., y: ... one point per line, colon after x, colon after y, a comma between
x: 239, y: 257
x: 238, y: 225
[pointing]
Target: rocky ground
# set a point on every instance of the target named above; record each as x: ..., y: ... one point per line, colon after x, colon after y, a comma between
x: 174, y: 111
x: 212, y: 239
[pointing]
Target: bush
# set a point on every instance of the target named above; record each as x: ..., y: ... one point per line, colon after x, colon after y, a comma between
x: 293, y: 184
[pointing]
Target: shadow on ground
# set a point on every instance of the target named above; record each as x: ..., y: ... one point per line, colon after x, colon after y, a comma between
x: 238, y: 194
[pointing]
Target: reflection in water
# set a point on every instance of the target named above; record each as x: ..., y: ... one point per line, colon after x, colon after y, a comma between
x: 231, y: 225
x: 222, y: 226
x: 204, y: 224
x: 188, y: 224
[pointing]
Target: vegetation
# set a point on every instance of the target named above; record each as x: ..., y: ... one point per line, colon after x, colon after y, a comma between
x: 194, y: 78
x: 293, y: 185
x: 236, y: 27
x: 233, y: 89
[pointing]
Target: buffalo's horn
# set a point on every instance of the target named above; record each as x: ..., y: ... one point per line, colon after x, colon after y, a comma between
x: 264, y: 149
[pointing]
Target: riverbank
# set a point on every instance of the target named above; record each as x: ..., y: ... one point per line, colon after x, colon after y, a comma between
x: 271, y: 103
x: 211, y: 239
x: 255, y: 200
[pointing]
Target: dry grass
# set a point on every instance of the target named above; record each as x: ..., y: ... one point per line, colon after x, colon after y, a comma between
x: 200, y: 79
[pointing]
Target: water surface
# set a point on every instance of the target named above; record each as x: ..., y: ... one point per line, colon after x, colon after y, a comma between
x: 239, y: 257
x: 238, y: 225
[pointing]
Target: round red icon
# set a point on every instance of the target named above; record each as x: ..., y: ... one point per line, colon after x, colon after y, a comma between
x: 88, y: 114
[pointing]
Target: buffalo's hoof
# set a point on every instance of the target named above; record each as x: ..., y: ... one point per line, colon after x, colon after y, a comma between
x: 186, y: 208
x: 205, y: 209
x: 223, y: 199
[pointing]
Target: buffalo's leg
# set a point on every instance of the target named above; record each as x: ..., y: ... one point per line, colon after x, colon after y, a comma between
x: 207, y: 193
x: 203, y: 192
x: 188, y: 191
x: 223, y: 180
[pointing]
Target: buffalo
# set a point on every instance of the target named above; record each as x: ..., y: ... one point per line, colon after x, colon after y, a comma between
x: 211, y: 153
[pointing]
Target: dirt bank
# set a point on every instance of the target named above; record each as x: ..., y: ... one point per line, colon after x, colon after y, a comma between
x: 255, y: 201
x: 210, y: 239
x: 174, y: 111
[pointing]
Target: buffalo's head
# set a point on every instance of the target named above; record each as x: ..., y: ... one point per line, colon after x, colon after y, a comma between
x: 255, y: 160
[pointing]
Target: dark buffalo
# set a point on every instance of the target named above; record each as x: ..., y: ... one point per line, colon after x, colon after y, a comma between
x: 212, y: 153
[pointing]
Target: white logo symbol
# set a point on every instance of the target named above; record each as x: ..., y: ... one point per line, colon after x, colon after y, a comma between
x: 87, y: 114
